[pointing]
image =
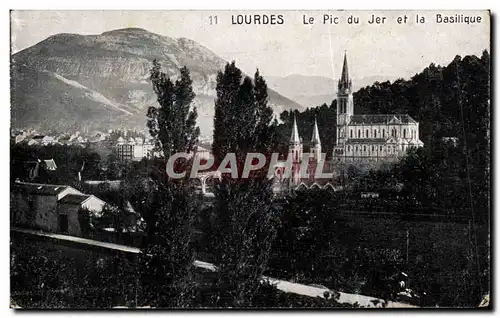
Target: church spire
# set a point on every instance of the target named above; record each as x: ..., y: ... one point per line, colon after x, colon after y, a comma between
x: 315, y: 137
x: 345, y: 81
x: 295, y: 139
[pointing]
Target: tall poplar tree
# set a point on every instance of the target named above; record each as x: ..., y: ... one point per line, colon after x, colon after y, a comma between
x: 244, y: 219
x: 265, y: 130
x: 167, y: 277
x: 167, y: 205
x: 226, y: 117
x: 173, y: 123
x: 243, y: 118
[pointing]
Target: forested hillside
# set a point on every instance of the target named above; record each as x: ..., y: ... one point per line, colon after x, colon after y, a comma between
x: 450, y: 101
x: 448, y: 177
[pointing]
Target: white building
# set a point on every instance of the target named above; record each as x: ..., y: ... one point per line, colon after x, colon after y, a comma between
x: 370, y: 137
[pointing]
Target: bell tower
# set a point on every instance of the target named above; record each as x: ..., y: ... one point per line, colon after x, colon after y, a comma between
x: 345, y: 104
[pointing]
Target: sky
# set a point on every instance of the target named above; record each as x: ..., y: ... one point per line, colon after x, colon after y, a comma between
x: 387, y: 49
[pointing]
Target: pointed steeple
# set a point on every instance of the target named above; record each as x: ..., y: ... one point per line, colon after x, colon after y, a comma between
x: 345, y: 70
x: 295, y: 139
x: 315, y: 137
x: 345, y: 81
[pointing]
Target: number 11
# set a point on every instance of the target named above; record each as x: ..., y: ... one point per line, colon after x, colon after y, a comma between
x: 213, y: 19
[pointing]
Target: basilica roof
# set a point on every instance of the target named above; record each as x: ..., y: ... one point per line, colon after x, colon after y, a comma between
x: 366, y: 140
x: 396, y: 119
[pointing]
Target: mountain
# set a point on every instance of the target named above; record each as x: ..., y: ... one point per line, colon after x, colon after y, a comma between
x: 312, y: 91
x: 71, y: 81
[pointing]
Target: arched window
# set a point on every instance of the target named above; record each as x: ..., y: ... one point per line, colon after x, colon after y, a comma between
x: 373, y: 148
x: 404, y: 133
x: 359, y: 133
x: 374, y: 133
x: 349, y: 147
x: 356, y: 148
x: 367, y: 133
x: 364, y: 148
x: 380, y: 148
x: 351, y: 133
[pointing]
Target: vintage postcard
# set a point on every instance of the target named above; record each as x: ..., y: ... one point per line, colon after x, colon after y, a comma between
x: 250, y: 159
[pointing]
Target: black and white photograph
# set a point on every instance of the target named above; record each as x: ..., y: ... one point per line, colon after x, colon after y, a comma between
x: 250, y: 159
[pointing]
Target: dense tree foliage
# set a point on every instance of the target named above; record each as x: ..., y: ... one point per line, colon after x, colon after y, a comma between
x: 173, y: 123
x: 168, y: 256
x: 243, y: 220
x: 318, y: 243
x: 243, y: 119
x: 44, y: 277
x: 241, y: 233
x: 166, y: 206
x: 451, y: 101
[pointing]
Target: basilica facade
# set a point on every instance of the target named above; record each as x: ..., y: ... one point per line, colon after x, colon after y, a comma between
x: 361, y: 138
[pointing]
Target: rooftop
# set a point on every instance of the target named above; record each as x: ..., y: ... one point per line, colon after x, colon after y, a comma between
x: 76, y: 199
x: 382, y: 119
x: 366, y: 141
x: 50, y: 164
x: 37, y: 188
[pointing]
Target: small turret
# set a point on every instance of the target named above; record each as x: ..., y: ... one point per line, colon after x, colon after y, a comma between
x: 295, y: 139
x: 315, y: 148
x: 315, y: 137
x: 295, y: 153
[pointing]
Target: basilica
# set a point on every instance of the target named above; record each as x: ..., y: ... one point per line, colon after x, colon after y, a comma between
x: 363, y: 140
x: 384, y: 137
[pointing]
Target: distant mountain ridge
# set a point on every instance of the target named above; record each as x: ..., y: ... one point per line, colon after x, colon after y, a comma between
x: 312, y: 91
x: 71, y: 81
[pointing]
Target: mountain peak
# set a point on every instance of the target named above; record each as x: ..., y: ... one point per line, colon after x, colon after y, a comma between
x: 101, y: 79
x: 127, y: 30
